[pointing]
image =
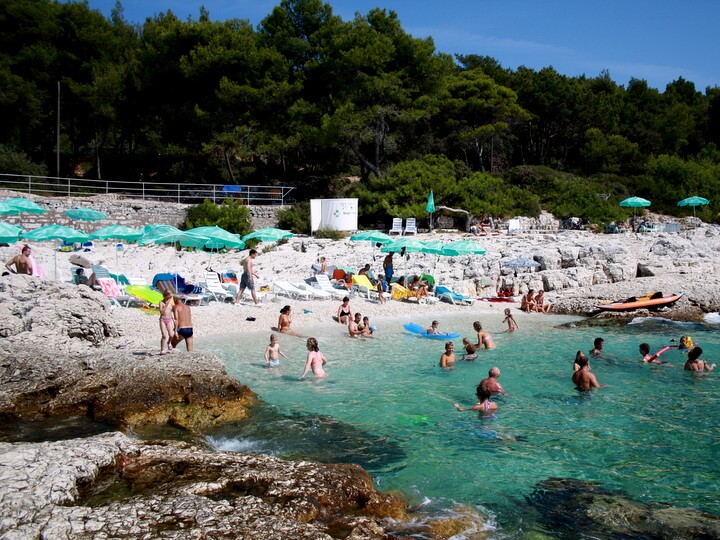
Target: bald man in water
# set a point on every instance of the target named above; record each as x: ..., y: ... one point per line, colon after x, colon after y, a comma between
x: 491, y: 383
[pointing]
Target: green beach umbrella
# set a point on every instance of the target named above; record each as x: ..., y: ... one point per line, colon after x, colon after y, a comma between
x: 430, y: 206
x: 151, y: 232
x: 433, y: 247
x: 25, y: 206
x: 218, y: 238
x: 116, y: 232
x: 635, y: 202
x: 693, y: 201
x: 85, y: 214
x: 463, y: 247
x: 9, y: 233
x: 375, y: 237
x: 6, y: 209
x: 269, y: 234
x: 55, y: 232
x: 410, y: 245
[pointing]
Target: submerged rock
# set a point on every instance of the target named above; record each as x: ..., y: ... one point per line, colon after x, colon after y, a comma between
x: 113, y: 487
x: 568, y: 506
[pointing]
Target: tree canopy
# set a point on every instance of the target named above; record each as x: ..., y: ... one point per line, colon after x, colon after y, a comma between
x: 307, y: 98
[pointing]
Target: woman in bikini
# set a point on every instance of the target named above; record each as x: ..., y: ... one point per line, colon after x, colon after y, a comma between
x: 284, y: 325
x: 315, y: 359
x: 484, y: 339
x: 344, y: 312
x: 484, y: 404
x: 167, y: 324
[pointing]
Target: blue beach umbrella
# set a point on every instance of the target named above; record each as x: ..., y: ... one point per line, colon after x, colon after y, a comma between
x: 218, y: 238
x: 405, y: 244
x: 116, y: 232
x: 375, y: 237
x: 521, y: 262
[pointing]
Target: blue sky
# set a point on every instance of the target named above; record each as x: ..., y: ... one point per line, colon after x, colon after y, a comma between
x: 658, y: 40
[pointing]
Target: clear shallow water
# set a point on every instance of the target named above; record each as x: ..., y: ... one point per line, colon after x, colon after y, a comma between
x: 386, y: 405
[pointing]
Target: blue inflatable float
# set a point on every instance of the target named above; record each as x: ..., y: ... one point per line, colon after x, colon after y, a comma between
x: 420, y: 331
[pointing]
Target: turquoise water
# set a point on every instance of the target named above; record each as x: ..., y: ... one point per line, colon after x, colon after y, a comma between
x: 388, y: 406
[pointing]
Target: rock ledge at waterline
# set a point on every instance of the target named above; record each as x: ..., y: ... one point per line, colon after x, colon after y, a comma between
x: 55, y: 361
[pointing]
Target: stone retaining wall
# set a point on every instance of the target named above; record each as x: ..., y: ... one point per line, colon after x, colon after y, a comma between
x: 129, y: 212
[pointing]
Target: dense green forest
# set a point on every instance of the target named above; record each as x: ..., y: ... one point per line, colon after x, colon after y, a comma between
x: 342, y: 108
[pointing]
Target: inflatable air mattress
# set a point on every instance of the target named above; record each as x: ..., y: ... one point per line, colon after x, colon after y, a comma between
x: 420, y: 331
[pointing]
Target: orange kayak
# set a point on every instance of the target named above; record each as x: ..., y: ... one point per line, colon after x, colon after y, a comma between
x: 649, y: 301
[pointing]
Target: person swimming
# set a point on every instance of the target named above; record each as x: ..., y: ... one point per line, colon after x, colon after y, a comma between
x: 484, y: 339
x: 695, y: 364
x: 651, y: 358
x: 484, y: 404
x: 470, y: 350
x: 447, y: 359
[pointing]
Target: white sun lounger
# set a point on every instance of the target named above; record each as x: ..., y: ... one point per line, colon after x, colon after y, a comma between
x: 285, y: 288
x: 316, y: 292
x: 213, y: 285
x: 324, y: 284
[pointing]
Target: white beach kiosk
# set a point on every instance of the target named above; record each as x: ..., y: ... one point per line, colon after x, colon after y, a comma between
x: 335, y: 214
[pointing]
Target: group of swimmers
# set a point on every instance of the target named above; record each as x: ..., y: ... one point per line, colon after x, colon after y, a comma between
x: 585, y: 380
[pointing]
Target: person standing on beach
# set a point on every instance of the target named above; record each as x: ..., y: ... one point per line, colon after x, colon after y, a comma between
x: 167, y: 323
x: 183, y: 324
x: 388, y: 267
x: 247, y: 281
x: 22, y: 262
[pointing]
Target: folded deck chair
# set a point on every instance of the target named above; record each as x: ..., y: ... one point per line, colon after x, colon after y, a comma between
x: 316, y: 291
x: 410, y: 226
x: 196, y: 299
x: 285, y: 288
x: 398, y: 292
x: 448, y: 295
x: 364, y: 287
x: 324, y: 284
x: 213, y: 286
x: 397, y: 227
x: 110, y: 289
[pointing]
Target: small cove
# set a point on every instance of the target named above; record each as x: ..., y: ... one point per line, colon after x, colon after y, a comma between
x: 387, y: 406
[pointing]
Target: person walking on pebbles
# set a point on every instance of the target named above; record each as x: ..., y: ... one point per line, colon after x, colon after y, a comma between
x: 183, y: 324
x: 247, y: 280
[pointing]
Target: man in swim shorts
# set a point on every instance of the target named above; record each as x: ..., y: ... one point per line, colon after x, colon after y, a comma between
x: 247, y: 280
x: 183, y: 324
x: 491, y: 382
x: 388, y: 267
x: 583, y: 378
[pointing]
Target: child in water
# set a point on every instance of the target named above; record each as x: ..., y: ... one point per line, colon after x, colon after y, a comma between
x: 470, y: 350
x: 510, y: 320
x: 315, y: 359
x: 273, y: 352
x: 649, y: 358
x: 365, y: 327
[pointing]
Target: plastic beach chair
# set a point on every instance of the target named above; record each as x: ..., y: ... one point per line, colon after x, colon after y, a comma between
x: 397, y: 227
x: 410, y: 226
x: 285, y: 288
x: 324, y: 284
x: 364, y: 287
x: 448, y: 295
x: 213, y: 286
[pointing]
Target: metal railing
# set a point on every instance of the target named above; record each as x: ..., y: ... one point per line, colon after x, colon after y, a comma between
x: 146, y: 191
